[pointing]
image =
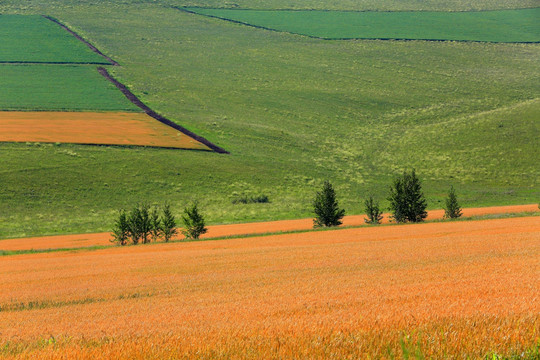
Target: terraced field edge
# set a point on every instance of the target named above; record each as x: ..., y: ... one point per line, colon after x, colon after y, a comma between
x: 135, y: 100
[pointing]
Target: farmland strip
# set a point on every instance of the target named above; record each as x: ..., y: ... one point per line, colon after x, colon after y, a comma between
x: 73, y: 241
x: 135, y: 100
x: 92, y: 47
x: 92, y: 128
x: 499, y: 26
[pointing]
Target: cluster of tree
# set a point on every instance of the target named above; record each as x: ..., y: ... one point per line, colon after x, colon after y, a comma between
x: 407, y: 203
x: 144, y: 224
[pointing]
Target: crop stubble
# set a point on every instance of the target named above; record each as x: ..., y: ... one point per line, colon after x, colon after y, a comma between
x: 455, y: 288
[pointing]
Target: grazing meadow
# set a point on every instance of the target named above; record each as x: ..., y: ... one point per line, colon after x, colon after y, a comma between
x: 293, y: 111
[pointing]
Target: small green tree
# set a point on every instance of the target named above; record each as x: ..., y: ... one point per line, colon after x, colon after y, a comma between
x: 373, y: 213
x: 134, y: 227
x: 139, y: 224
x: 155, y: 225
x: 168, y: 223
x: 120, y: 231
x: 326, y: 208
x: 452, y: 209
x: 194, y: 225
x: 407, y: 201
x: 145, y: 223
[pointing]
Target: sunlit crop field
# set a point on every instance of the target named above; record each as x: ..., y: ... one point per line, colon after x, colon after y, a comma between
x: 440, y: 289
x: 117, y: 128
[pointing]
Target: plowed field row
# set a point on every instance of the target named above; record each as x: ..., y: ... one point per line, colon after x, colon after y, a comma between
x: 92, y: 128
x: 103, y: 239
x: 446, y: 290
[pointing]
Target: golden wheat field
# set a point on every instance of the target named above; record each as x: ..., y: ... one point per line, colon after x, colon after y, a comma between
x: 438, y: 290
x: 102, y: 128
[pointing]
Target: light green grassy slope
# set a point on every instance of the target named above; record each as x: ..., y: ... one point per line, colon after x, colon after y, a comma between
x: 493, y: 26
x: 59, y: 87
x: 293, y: 112
x: 36, y: 39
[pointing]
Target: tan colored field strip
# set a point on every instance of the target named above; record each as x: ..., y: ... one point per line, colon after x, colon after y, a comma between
x: 451, y: 290
x: 102, y: 239
x: 104, y: 128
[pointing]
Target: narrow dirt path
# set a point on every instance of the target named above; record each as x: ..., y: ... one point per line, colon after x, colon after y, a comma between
x: 103, y: 239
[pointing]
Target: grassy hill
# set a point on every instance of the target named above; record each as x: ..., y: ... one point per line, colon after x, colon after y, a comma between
x: 292, y: 111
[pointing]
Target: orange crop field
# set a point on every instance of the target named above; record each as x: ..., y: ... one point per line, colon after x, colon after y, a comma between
x: 101, y: 128
x: 462, y: 289
x: 103, y: 239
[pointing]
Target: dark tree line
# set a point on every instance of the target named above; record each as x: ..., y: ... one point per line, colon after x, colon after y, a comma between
x: 407, y: 203
x: 144, y: 224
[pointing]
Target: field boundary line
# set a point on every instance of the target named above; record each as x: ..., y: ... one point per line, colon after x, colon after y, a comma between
x: 179, y: 8
x: 135, y: 100
x: 54, y: 63
x: 349, y: 11
x: 120, y: 146
x: 77, y: 36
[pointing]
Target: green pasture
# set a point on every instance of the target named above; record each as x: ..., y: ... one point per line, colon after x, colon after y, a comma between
x: 36, y: 39
x: 493, y: 26
x: 58, y: 88
x: 293, y: 111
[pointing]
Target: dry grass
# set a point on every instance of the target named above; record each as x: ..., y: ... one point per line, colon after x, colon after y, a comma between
x: 449, y: 289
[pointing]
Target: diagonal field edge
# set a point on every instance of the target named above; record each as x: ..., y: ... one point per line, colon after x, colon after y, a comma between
x: 245, y: 23
x: 135, y: 100
x: 77, y: 36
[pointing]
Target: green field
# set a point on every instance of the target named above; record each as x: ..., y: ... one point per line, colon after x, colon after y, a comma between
x: 493, y: 26
x: 293, y: 111
x: 59, y: 87
x: 36, y: 39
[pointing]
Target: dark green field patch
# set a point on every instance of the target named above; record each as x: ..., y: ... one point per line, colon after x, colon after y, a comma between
x: 489, y: 26
x: 58, y: 88
x: 35, y: 39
